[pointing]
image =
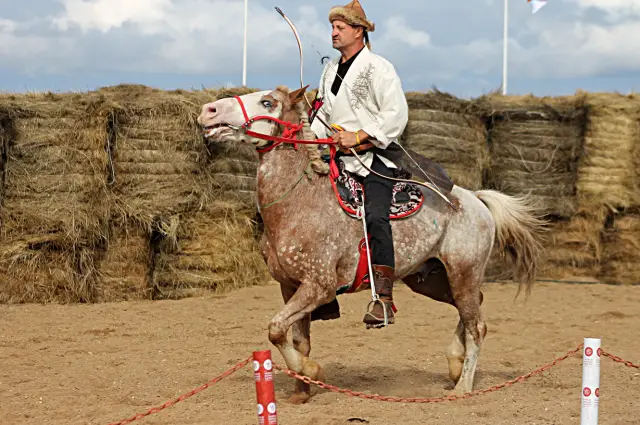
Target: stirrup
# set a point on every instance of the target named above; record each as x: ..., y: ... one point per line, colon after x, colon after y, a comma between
x: 385, y: 321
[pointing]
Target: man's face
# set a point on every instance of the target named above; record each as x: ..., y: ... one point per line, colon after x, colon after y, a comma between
x: 343, y: 34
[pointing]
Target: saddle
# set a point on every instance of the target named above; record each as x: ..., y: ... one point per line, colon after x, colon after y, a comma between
x: 407, y: 198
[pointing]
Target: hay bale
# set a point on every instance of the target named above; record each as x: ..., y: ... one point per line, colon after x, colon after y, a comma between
x: 156, y: 154
x: 7, y: 133
x: 162, y: 165
x: 37, y: 269
x: 450, y: 132
x: 621, y: 249
x: 232, y: 167
x: 55, y: 169
x: 231, y: 173
x: 574, y: 248
x: 608, y: 173
x: 214, y: 251
x: 125, y: 266
x: 535, y: 144
x: 55, y: 204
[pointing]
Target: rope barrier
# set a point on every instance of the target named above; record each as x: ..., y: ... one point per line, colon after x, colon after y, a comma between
x: 263, y: 368
x: 431, y: 399
x: 186, y: 395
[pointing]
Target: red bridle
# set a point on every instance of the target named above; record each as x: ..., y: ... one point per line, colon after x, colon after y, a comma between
x: 288, y: 136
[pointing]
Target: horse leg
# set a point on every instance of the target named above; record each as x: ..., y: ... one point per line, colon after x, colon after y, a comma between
x: 301, y: 336
x: 297, y: 309
x: 470, y: 332
x: 455, y: 353
x: 431, y: 280
x: 301, y: 331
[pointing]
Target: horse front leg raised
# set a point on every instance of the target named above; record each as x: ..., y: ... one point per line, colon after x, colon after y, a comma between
x: 296, y: 312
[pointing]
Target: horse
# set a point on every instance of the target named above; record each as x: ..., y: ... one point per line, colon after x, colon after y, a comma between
x: 310, y: 244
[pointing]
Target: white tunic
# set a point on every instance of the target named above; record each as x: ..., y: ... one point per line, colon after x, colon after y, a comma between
x: 370, y: 99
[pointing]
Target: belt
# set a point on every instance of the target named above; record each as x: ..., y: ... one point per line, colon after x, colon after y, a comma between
x: 359, y: 148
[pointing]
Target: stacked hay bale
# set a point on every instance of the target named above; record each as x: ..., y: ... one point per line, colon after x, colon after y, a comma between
x: 164, y: 180
x: 573, y: 248
x: 111, y: 195
x: 54, y: 204
x: 125, y: 265
x: 232, y: 167
x: 607, y: 173
x: 156, y: 153
x: 535, y: 144
x: 449, y: 131
x: 214, y: 247
x: 621, y: 249
x: 215, y: 251
x: 610, y: 177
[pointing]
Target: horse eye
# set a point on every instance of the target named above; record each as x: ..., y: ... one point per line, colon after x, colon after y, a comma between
x: 266, y: 104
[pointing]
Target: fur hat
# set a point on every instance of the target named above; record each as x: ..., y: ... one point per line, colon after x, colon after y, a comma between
x: 352, y: 14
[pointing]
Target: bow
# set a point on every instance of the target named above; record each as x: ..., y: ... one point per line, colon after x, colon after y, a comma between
x: 295, y: 33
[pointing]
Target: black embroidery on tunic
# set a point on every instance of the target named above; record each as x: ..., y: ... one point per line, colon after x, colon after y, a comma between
x: 362, y: 86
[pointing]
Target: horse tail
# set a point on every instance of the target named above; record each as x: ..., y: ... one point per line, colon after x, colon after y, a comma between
x: 518, y: 233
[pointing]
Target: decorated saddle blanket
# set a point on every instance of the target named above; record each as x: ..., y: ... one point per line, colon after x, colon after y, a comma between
x: 407, y: 198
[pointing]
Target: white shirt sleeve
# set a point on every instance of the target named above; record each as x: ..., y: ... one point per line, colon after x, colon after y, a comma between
x: 393, y: 115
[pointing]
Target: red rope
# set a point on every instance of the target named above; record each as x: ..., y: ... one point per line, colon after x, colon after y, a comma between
x: 187, y: 395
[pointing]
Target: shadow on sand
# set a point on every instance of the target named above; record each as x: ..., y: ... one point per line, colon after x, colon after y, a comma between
x: 393, y: 381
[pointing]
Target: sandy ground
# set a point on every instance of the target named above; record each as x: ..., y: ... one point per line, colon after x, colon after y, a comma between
x: 99, y: 364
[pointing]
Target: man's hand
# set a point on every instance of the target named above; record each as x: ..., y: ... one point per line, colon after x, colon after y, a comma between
x: 347, y: 139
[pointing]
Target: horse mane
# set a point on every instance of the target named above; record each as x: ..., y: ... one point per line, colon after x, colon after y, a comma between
x: 298, y: 110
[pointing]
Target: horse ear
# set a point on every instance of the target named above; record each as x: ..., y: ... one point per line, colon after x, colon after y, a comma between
x: 297, y: 95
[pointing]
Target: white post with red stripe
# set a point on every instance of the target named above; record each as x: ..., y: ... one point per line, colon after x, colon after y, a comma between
x: 590, y: 381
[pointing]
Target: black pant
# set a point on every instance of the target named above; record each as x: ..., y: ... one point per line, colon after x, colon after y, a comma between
x: 378, y: 195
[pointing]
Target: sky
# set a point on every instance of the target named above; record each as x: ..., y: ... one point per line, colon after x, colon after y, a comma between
x: 454, y: 46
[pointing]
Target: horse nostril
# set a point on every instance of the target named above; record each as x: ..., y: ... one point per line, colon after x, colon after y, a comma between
x: 212, y: 109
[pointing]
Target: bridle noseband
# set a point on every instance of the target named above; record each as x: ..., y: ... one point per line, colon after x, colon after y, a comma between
x: 288, y: 136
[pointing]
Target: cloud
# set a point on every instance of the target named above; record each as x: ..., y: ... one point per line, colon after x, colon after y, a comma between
x: 579, y: 49
x: 628, y: 7
x: 429, y: 42
x: 7, y: 26
x: 104, y: 15
x: 408, y: 35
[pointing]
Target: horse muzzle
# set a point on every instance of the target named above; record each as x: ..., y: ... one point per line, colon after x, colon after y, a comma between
x: 219, y: 131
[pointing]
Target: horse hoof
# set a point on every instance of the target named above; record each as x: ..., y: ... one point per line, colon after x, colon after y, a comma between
x: 299, y: 398
x: 313, y: 371
x: 459, y: 391
x: 455, y: 369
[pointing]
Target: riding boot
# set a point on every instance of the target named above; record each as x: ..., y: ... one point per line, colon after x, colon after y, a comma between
x: 384, y: 277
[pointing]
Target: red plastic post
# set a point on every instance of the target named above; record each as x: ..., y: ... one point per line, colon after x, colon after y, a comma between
x: 265, y: 391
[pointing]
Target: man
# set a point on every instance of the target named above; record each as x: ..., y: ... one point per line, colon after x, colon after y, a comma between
x: 362, y: 94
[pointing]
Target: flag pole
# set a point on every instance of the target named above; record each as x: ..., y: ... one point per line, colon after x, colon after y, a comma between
x: 505, y: 42
x: 244, y: 59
